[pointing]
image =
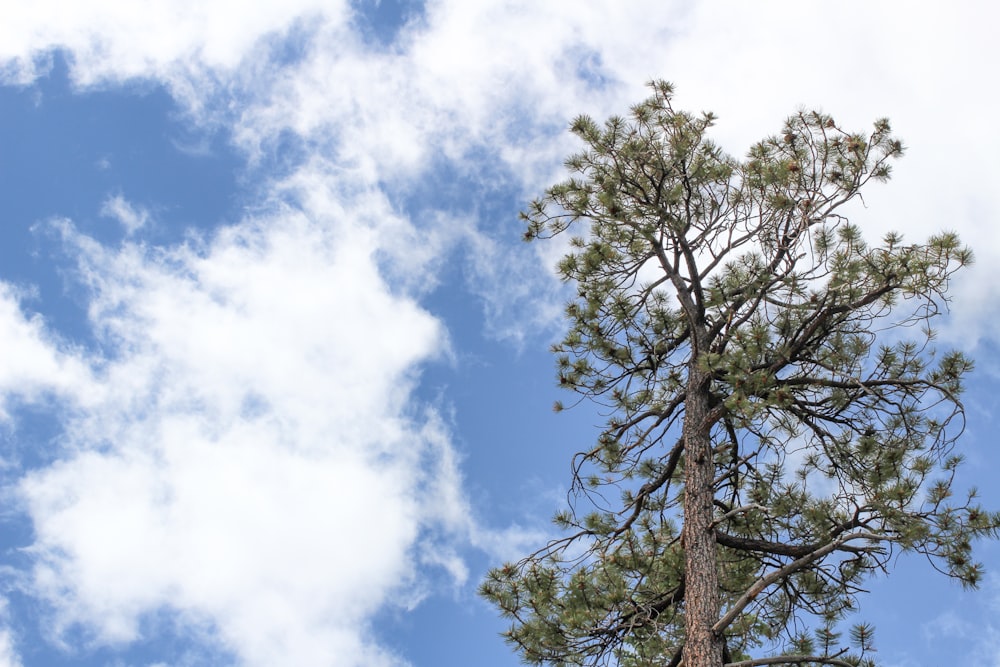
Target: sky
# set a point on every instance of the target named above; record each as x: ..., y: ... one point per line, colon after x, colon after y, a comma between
x: 274, y: 379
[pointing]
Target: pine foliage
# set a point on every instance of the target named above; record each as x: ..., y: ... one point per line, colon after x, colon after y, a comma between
x: 831, y: 416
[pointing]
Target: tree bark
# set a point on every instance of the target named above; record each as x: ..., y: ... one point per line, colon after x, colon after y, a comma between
x: 702, y: 645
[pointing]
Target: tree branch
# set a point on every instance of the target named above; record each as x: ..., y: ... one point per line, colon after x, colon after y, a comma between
x: 783, y: 572
x: 786, y: 659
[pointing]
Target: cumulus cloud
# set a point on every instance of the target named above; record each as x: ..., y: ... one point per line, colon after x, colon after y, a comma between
x: 493, y: 84
x: 114, y: 40
x: 489, y: 88
x: 253, y: 395
x: 253, y: 459
x: 924, y: 71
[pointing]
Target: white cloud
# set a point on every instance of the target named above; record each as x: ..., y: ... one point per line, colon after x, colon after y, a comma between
x: 36, y: 365
x: 254, y: 460
x: 496, y: 76
x: 117, y: 39
x: 132, y: 219
x: 479, y: 85
x: 925, y: 70
x: 9, y: 655
x: 489, y: 85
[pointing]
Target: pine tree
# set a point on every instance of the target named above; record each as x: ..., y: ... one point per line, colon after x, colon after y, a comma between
x: 780, y: 425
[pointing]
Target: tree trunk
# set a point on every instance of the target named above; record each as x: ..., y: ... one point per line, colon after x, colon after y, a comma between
x: 702, y: 646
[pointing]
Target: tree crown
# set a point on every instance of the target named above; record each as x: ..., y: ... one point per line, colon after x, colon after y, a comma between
x: 831, y: 417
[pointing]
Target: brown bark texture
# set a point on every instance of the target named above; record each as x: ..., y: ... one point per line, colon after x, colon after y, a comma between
x: 703, y: 646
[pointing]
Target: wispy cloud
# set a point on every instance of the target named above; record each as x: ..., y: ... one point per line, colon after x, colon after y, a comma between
x: 973, y: 633
x: 130, y: 217
x: 37, y: 365
x: 9, y: 656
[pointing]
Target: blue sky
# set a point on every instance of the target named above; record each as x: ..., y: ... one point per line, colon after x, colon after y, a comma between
x: 274, y: 380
